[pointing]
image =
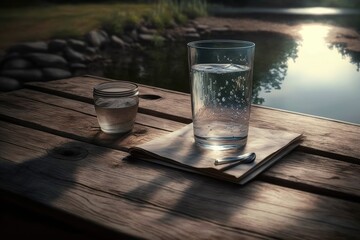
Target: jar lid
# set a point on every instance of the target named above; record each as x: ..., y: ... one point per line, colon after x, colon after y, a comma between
x: 116, y: 89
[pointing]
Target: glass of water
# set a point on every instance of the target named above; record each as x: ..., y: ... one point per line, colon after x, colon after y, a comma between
x: 221, y: 85
x: 116, y: 105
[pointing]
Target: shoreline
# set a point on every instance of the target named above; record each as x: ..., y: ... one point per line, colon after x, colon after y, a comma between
x: 336, y: 35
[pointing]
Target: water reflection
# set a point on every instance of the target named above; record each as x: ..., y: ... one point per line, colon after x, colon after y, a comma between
x: 272, y: 54
x: 221, y: 10
x: 308, y: 76
x: 354, y: 56
x: 164, y: 67
x: 320, y: 81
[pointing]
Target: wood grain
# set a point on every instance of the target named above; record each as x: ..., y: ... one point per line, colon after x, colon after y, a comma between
x: 324, y: 137
x: 76, y: 119
x: 165, y: 107
x: 316, y: 174
x: 88, y: 108
x: 150, y: 201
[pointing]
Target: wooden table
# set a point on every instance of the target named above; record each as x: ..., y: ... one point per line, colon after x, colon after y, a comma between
x: 60, y: 175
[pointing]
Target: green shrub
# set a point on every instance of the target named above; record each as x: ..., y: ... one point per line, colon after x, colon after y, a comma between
x: 194, y: 8
x: 118, y: 21
x: 163, y: 14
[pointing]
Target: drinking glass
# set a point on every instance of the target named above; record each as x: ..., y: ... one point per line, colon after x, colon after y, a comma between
x: 116, y: 105
x: 221, y: 84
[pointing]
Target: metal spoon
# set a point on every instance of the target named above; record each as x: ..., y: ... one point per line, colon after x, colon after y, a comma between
x: 235, y: 160
x: 244, y: 157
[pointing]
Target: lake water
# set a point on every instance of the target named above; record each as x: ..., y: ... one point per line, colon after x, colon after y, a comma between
x: 307, y: 76
x: 320, y: 80
x: 221, y: 10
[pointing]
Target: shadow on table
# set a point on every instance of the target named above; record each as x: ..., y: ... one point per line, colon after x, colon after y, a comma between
x: 44, y: 179
x: 188, y: 193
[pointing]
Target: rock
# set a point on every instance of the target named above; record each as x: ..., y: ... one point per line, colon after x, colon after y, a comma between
x: 25, y: 75
x: 97, y: 38
x: 201, y: 27
x: 147, y: 38
x: 134, y: 35
x: 128, y: 39
x: 77, y: 66
x: 74, y: 56
x: 9, y: 84
x: 55, y: 73
x: 189, y: 30
x: 192, y: 35
x: 94, y: 57
x: 118, y: 42
x: 77, y: 45
x: 57, y: 45
x: 47, y: 60
x: 17, y: 63
x: 169, y: 36
x: 78, y: 69
x: 11, y: 55
x: 91, y: 50
x: 203, y: 32
x: 136, y: 46
x: 27, y: 47
x: 146, y: 30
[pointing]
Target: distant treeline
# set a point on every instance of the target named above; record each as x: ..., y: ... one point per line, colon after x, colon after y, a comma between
x: 245, y: 3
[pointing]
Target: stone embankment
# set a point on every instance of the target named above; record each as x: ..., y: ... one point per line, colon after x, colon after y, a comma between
x: 64, y: 58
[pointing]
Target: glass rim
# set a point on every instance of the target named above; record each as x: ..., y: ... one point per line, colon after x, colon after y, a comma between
x: 242, y: 44
x: 129, y: 89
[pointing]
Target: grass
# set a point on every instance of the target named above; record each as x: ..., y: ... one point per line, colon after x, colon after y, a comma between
x: 163, y: 14
x: 63, y: 20
x: 180, y: 11
x: 74, y: 20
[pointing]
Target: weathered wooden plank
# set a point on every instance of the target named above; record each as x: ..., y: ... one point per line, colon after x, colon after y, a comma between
x: 152, y: 201
x: 143, y: 119
x: 74, y: 119
x: 155, y: 101
x: 51, y: 113
x: 330, y: 138
x: 28, y: 167
x: 334, y: 139
x: 316, y: 174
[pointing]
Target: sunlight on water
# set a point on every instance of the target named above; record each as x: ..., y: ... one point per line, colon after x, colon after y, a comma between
x: 313, y: 11
x: 319, y: 81
x: 321, y: 11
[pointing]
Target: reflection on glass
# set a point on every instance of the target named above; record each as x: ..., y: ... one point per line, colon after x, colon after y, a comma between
x: 320, y: 81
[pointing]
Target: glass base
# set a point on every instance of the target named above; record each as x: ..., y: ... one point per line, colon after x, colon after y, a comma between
x: 221, y: 143
x: 117, y: 128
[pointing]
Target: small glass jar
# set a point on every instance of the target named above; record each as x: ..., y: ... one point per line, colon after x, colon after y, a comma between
x: 116, y: 105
